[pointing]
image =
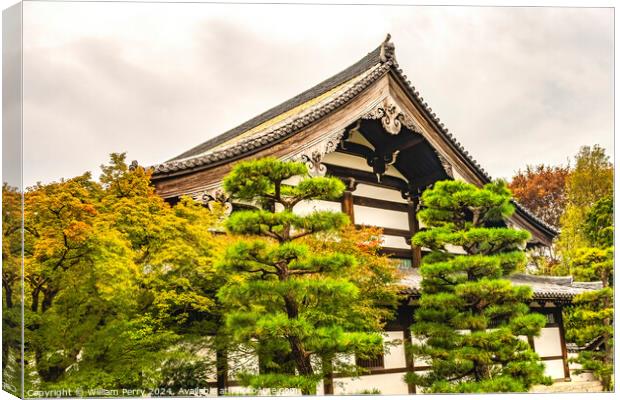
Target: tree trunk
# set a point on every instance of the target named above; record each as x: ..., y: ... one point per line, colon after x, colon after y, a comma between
x: 221, y: 365
x: 328, y: 375
x: 300, y: 356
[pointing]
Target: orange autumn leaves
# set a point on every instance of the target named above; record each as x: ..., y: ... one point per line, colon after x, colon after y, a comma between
x: 542, y: 189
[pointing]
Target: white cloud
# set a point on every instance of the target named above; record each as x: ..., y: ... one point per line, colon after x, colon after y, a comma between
x: 516, y: 86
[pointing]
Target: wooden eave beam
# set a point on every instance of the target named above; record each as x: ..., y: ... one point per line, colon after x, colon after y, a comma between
x: 367, y: 177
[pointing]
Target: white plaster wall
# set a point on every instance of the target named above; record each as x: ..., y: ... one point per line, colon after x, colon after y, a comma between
x: 241, y: 361
x: 394, y: 356
x: 293, y: 181
x: 379, y: 217
x: 585, y: 377
x: 554, y: 369
x: 417, y: 362
x: 209, y: 354
x: 385, y: 383
x: 398, y: 242
x: 548, y: 343
x: 455, y: 249
x: 309, y: 206
x: 376, y: 192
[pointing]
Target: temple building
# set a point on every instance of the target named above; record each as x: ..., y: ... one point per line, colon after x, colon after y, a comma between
x: 368, y: 126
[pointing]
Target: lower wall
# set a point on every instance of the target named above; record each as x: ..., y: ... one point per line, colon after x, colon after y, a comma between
x: 389, y: 379
x: 381, y: 384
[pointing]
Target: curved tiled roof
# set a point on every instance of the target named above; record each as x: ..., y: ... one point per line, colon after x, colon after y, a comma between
x: 271, y: 136
x: 543, y: 287
x: 370, y: 60
x: 224, y: 148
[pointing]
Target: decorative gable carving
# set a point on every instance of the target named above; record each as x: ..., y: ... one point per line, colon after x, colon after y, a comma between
x: 313, y: 154
x: 392, y: 117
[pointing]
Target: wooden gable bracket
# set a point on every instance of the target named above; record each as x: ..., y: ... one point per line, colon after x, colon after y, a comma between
x: 312, y: 155
x: 211, y: 197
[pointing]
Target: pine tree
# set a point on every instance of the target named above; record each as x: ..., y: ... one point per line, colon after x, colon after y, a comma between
x: 471, y: 322
x: 590, y: 320
x: 294, y: 307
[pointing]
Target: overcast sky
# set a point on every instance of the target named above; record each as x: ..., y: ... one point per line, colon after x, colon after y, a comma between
x: 516, y: 86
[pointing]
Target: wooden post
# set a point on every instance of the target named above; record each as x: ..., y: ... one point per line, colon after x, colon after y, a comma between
x: 414, y: 227
x: 558, y: 317
x: 221, y: 366
x: 328, y: 376
x: 347, y: 199
x: 409, y: 363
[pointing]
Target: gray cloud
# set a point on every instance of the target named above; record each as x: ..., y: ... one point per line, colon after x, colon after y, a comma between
x: 516, y: 86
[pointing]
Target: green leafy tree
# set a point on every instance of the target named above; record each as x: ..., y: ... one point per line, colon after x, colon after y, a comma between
x: 11, y: 288
x: 590, y: 180
x: 590, y: 321
x: 470, y: 320
x: 117, y: 282
x: 295, y: 307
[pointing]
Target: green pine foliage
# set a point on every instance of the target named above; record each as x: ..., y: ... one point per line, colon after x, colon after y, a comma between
x: 590, y: 320
x: 471, y: 321
x: 294, y: 307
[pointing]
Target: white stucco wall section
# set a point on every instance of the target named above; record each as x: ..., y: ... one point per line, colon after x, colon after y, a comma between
x: 394, y: 356
x: 554, y: 369
x: 548, y: 343
x: 379, y: 217
x: 377, y: 192
x: 398, y: 242
x: 384, y: 383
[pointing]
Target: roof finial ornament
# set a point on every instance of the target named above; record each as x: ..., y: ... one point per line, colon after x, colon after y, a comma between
x: 387, y: 49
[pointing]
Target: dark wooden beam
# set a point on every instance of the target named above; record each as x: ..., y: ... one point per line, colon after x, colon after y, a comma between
x: 410, y: 142
x: 394, y: 252
x: 378, y: 203
x: 551, y: 358
x: 409, y: 362
x: 414, y: 227
x: 356, y: 149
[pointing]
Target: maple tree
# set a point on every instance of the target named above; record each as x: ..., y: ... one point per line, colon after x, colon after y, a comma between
x: 542, y: 190
x: 117, y: 281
